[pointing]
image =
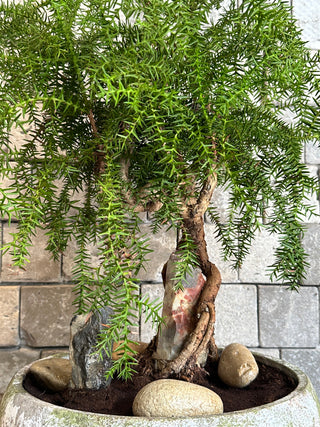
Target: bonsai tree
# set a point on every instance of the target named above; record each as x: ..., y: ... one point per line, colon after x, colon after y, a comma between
x: 147, y: 106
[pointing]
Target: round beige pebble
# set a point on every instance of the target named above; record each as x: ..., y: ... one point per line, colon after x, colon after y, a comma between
x: 237, y: 366
x: 174, y: 398
x: 53, y: 374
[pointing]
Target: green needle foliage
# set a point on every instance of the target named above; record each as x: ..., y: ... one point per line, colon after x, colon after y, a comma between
x: 134, y: 104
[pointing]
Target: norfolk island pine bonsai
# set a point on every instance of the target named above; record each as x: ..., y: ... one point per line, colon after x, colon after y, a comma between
x: 146, y: 107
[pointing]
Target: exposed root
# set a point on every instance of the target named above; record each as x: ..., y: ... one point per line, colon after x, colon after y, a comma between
x: 202, y: 350
x: 196, y: 345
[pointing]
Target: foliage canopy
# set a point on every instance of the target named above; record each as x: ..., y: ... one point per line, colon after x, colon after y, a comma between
x: 134, y: 104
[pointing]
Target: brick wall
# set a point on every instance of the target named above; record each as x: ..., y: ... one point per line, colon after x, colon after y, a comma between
x: 36, y: 303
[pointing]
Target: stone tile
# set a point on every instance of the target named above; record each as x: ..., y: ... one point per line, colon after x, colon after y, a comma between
x: 162, y: 244
x: 228, y: 274
x: 216, y: 14
x: 6, y: 183
x: 312, y: 151
x: 261, y: 256
x: 220, y: 200
x: 9, y: 315
x: 311, y: 244
x: 154, y: 291
x: 18, y: 137
x: 11, y: 361
x: 308, y: 360
x: 312, y: 199
x: 68, y: 258
x: 288, y: 318
x: 236, y: 315
x: 307, y: 13
x: 42, y: 268
x: 273, y: 352
x: 46, y: 312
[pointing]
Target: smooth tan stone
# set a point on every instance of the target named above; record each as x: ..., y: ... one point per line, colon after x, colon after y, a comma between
x: 173, y: 398
x: 53, y: 374
x: 237, y: 366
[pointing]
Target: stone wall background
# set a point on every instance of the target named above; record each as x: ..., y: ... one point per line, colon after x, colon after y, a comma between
x: 36, y: 303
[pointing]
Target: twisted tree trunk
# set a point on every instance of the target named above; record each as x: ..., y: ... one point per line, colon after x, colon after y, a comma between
x: 200, y: 340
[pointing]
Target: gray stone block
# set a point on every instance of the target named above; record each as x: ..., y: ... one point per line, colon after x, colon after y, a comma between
x: 312, y: 152
x: 312, y: 199
x: 68, y: 263
x: 162, y: 244
x: 308, y: 14
x: 255, y: 266
x: 228, y: 274
x: 9, y: 315
x: 11, y: 361
x: 308, y: 360
x: 41, y: 268
x: 311, y: 244
x: 273, y: 352
x: 236, y: 315
x: 220, y: 200
x: 46, y: 312
x: 154, y: 292
x: 288, y: 318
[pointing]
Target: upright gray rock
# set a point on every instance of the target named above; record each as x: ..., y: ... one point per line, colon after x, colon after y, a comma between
x: 88, y: 368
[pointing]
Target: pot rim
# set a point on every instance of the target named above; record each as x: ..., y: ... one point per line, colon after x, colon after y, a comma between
x: 292, y: 371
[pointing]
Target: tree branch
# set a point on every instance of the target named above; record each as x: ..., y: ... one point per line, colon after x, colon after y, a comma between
x: 148, y: 205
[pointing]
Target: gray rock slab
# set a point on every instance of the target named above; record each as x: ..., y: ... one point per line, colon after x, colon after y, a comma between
x: 88, y: 367
x: 288, y: 318
x: 236, y: 315
x: 308, y: 360
x: 154, y: 292
x: 11, y: 361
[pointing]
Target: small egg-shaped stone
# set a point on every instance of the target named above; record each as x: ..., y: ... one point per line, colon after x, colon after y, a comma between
x: 237, y: 366
x: 174, y: 398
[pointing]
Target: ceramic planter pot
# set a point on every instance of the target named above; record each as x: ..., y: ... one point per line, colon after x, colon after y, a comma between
x: 299, y: 408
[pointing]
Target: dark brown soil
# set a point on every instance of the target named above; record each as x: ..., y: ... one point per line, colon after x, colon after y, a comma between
x: 270, y: 385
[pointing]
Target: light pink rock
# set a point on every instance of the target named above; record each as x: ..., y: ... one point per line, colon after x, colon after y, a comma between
x: 178, y: 310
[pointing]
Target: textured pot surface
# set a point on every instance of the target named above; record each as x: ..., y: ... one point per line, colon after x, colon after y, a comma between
x: 299, y: 408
